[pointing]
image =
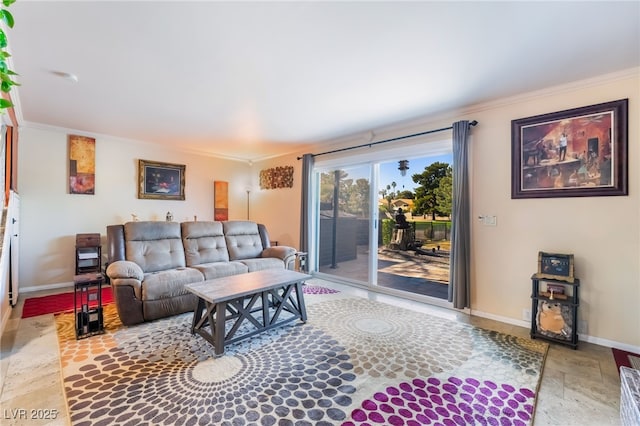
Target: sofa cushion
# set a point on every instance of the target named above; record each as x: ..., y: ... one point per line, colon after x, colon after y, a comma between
x: 154, y: 246
x: 243, y: 239
x: 221, y: 269
x: 169, y: 283
x: 260, y: 264
x: 204, y: 243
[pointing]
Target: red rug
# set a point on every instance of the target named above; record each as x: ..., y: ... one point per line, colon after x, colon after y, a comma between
x: 626, y: 359
x: 57, y: 303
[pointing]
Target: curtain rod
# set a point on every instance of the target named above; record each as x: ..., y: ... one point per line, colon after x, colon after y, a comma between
x: 370, y: 144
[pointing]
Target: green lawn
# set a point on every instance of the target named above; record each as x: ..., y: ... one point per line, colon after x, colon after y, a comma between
x: 434, y: 233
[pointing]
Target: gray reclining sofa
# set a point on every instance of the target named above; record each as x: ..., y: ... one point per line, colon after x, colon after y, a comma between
x: 150, y: 262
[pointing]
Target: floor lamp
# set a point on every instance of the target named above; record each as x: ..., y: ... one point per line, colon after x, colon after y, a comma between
x: 248, y: 197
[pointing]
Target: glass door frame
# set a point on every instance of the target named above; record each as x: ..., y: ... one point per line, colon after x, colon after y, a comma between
x: 372, y: 158
x: 315, y: 220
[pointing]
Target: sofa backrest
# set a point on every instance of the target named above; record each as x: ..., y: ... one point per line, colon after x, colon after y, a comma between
x: 115, y: 243
x: 243, y: 239
x: 204, y: 242
x: 154, y: 246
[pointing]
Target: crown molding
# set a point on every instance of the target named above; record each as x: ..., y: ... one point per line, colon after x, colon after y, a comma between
x: 66, y: 130
x: 413, y: 125
x: 445, y: 118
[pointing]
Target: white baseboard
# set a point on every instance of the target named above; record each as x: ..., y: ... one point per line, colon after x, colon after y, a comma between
x: 610, y: 343
x: 520, y: 323
x: 581, y: 337
x: 46, y: 287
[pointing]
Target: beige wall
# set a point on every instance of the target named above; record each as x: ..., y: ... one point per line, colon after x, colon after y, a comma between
x: 602, y: 232
x: 279, y: 209
x: 50, y: 216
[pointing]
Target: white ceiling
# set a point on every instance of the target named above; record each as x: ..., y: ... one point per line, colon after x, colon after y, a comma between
x: 249, y: 80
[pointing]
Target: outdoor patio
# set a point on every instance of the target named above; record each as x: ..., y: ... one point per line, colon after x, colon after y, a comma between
x: 405, y: 270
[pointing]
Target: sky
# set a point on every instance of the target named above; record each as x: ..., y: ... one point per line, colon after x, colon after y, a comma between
x: 389, y: 171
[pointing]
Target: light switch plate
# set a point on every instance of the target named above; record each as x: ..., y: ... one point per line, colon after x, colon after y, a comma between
x: 489, y: 220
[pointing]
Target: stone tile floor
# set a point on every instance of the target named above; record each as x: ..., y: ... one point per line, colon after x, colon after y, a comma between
x: 579, y: 387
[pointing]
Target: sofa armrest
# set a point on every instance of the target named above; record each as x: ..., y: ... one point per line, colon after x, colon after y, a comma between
x: 125, y: 269
x: 284, y: 253
x: 281, y: 252
x: 124, y: 273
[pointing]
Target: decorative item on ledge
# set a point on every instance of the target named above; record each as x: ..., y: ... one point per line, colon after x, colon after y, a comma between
x: 277, y: 177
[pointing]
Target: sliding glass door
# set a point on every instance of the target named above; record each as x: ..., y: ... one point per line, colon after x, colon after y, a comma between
x: 385, y: 224
x: 344, y: 222
x: 413, y: 252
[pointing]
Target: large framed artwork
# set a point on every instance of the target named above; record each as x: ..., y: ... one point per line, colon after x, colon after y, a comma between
x: 82, y: 165
x: 573, y: 153
x: 160, y: 181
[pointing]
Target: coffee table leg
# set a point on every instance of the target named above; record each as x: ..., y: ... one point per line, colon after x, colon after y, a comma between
x: 197, y: 315
x: 219, y: 327
x: 265, y: 309
x: 301, y: 305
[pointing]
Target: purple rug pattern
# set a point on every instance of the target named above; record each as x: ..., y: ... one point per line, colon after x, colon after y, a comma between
x: 317, y: 289
x: 451, y: 402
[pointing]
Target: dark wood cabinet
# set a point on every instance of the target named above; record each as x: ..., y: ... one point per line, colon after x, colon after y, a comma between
x: 88, y: 254
x: 554, y: 310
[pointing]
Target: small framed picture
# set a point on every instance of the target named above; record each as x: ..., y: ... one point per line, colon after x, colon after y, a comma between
x: 555, y: 266
x: 160, y: 181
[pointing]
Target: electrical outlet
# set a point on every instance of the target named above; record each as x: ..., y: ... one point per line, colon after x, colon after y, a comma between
x: 526, y: 314
x: 582, y: 326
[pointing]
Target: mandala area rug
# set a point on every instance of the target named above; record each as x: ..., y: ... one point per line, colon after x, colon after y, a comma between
x: 355, y: 362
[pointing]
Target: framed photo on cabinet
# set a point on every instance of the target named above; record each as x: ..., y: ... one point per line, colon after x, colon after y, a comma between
x: 555, y: 266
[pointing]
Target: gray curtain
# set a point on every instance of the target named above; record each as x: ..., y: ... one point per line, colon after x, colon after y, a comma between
x: 307, y: 169
x: 459, y: 282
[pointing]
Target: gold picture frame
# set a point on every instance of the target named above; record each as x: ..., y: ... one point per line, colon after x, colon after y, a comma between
x: 555, y: 266
x: 160, y: 181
